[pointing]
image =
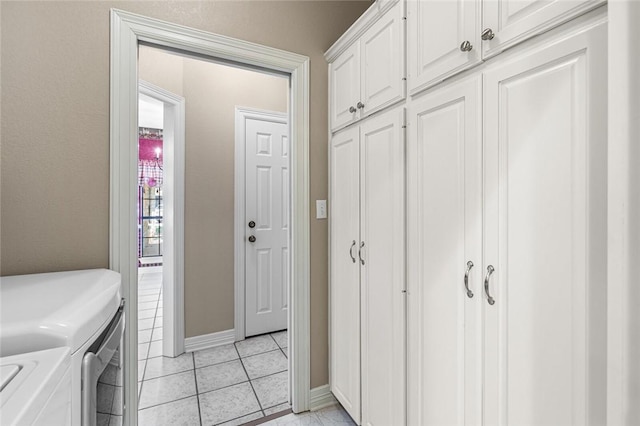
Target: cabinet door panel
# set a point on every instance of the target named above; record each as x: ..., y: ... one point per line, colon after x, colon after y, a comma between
x: 345, y: 86
x: 514, y: 21
x: 545, y: 218
x: 445, y: 221
x: 436, y: 29
x: 345, y: 272
x: 382, y: 62
x: 382, y: 282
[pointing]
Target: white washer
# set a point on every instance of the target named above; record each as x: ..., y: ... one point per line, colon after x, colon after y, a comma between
x: 35, y: 388
x: 43, y: 311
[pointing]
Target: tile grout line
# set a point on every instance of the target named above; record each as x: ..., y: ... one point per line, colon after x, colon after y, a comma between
x: 236, y: 418
x: 250, y: 384
x: 168, y: 402
x: 167, y: 375
x: 195, y: 378
x: 146, y: 358
x: 261, y: 353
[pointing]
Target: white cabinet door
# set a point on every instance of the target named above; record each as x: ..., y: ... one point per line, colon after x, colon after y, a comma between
x: 513, y: 21
x: 382, y: 269
x: 382, y: 62
x: 444, y: 235
x: 345, y: 87
x: 345, y: 271
x: 545, y: 235
x: 436, y: 32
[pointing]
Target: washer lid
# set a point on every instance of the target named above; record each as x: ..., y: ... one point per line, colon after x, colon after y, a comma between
x: 38, y: 377
x: 43, y: 311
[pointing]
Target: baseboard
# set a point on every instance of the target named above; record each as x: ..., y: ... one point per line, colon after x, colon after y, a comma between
x: 321, y: 397
x: 207, y: 341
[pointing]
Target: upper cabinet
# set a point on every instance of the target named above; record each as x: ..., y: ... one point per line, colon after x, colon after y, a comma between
x: 366, y: 66
x: 345, y: 87
x: 443, y: 39
x: 509, y: 22
x: 447, y: 37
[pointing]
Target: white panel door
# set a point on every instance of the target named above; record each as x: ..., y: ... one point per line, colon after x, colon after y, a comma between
x: 382, y: 269
x: 436, y: 32
x: 545, y: 235
x: 344, y: 78
x: 382, y: 62
x: 267, y: 204
x: 513, y: 21
x: 344, y: 298
x: 444, y: 235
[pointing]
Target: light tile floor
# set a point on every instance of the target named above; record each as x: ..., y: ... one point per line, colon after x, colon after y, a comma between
x: 229, y: 385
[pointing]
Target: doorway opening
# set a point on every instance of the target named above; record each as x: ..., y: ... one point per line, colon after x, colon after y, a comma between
x: 160, y: 220
x: 128, y: 31
x: 207, y: 362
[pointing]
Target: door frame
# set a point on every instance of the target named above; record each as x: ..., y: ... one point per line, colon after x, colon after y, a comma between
x: 173, y: 218
x: 127, y: 31
x: 241, y: 116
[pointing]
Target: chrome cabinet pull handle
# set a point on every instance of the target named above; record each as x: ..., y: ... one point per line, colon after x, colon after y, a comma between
x: 352, y: 109
x: 466, y: 46
x: 466, y: 279
x: 360, y: 253
x: 490, y: 270
x: 351, y: 251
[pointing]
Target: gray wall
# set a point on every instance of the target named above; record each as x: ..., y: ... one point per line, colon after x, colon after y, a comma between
x: 54, y: 188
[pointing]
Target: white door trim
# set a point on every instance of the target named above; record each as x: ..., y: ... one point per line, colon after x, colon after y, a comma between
x: 173, y: 220
x: 127, y: 30
x: 241, y: 115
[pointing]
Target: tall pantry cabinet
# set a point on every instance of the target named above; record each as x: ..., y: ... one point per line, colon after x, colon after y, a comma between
x: 505, y: 174
x: 367, y: 221
x: 367, y: 272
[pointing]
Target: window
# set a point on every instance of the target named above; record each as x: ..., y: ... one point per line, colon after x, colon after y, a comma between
x: 151, y: 221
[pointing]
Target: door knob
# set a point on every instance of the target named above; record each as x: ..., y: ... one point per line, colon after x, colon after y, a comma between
x: 252, y: 224
x: 466, y: 46
x: 360, y: 105
x: 352, y: 109
x: 488, y: 34
x: 252, y: 239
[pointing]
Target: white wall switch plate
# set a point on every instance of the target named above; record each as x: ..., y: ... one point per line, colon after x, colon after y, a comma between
x: 321, y: 209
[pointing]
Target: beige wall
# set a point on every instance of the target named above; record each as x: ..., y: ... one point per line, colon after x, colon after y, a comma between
x: 211, y: 92
x: 54, y: 188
